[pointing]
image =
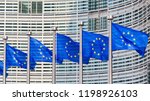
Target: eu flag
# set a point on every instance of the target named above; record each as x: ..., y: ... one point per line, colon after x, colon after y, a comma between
x: 98, y: 45
x: 15, y: 57
x: 39, y: 52
x: 66, y: 48
x: 124, y: 38
x: 1, y: 68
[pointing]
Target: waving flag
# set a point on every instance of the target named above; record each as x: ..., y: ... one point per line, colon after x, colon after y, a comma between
x: 39, y: 52
x: 124, y: 38
x: 15, y: 57
x: 66, y: 48
x: 98, y: 45
x: 1, y: 68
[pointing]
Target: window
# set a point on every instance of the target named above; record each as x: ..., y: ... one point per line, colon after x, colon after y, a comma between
x: 92, y: 4
x: 96, y: 4
x: 92, y: 24
x: 34, y: 7
x: 30, y: 7
x: 25, y: 7
x: 103, y: 23
x: 103, y: 4
x: 39, y: 7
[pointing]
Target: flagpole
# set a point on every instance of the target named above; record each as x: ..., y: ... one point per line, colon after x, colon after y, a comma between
x: 28, y: 59
x: 54, y: 58
x: 110, y: 71
x: 5, y: 38
x: 80, y: 60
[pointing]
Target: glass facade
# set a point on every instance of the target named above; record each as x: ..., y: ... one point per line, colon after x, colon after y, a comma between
x: 30, y: 7
x: 97, y: 24
x: 18, y: 17
x: 97, y: 4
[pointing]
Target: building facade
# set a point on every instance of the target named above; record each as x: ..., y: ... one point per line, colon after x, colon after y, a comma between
x: 18, y: 17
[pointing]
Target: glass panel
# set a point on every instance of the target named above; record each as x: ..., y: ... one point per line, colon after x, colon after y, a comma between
x: 25, y: 8
x: 103, y: 3
x: 30, y: 7
x: 39, y: 7
x: 92, y: 24
x: 103, y: 23
x: 33, y: 7
x: 92, y: 4
x: 20, y: 7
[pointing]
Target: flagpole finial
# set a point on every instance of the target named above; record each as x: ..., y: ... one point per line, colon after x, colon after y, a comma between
x: 110, y: 17
x: 5, y: 37
x: 54, y: 29
x: 29, y: 33
x: 81, y: 23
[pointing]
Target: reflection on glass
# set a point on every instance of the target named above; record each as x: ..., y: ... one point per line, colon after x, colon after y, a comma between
x: 25, y: 8
x: 39, y: 7
x: 30, y: 7
x: 33, y: 7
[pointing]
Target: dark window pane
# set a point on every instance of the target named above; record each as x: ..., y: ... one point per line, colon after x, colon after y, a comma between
x: 20, y: 7
x: 25, y: 8
x: 39, y: 7
x: 33, y: 7
x: 30, y: 7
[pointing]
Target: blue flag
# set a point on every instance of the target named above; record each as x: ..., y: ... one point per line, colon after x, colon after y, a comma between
x: 39, y: 52
x: 124, y: 38
x: 66, y: 48
x: 1, y: 68
x: 15, y: 57
x: 98, y: 45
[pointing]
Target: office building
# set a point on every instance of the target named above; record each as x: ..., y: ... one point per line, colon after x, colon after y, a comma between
x: 18, y: 17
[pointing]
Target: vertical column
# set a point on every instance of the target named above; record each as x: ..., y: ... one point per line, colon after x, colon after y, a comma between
x: 5, y: 38
x: 54, y: 56
x: 80, y: 59
x: 110, y: 76
x: 28, y: 59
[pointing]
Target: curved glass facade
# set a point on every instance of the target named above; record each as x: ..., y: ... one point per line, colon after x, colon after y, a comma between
x: 18, y: 17
x: 128, y: 66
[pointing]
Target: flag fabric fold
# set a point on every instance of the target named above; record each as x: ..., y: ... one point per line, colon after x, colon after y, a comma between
x: 97, y: 43
x: 1, y: 68
x: 124, y: 38
x: 15, y: 57
x: 39, y: 52
x: 68, y: 49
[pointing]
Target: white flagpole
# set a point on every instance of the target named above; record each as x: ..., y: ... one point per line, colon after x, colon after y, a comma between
x: 5, y: 38
x: 110, y: 71
x: 80, y: 60
x: 28, y: 59
x: 54, y: 58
